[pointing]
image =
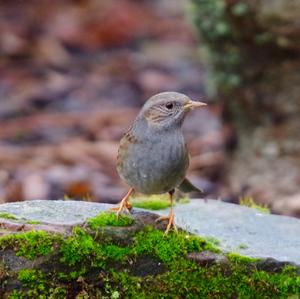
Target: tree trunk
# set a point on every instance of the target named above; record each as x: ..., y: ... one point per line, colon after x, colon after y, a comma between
x: 253, y: 51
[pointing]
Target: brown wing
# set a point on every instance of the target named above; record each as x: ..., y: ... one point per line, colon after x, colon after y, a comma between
x: 126, y: 140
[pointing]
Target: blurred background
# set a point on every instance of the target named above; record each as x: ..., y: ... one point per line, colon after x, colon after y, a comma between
x: 74, y: 73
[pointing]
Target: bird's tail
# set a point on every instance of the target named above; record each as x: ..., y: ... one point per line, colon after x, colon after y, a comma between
x: 186, y: 187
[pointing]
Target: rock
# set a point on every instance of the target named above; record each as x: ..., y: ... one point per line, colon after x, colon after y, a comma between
x: 147, y: 265
x: 63, y: 212
x: 207, y: 258
x: 241, y: 229
x: 13, y: 262
x: 238, y: 228
x: 270, y: 265
x: 66, y: 249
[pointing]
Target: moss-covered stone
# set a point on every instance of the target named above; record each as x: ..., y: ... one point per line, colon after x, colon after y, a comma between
x: 229, y: 33
x: 34, y: 284
x: 30, y: 244
x: 85, y: 264
x: 221, y: 43
x: 8, y: 216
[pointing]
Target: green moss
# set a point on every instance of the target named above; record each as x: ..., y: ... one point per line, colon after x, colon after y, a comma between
x: 29, y: 276
x: 115, y: 252
x: 155, y: 202
x: 81, y: 247
x: 30, y: 244
x: 33, y: 222
x: 184, y: 200
x: 152, y: 202
x: 212, y: 240
x: 91, y: 267
x: 13, y: 217
x: 109, y: 218
x: 77, y: 247
x: 187, y: 280
x: 249, y: 202
x: 168, y: 247
x: 36, y: 285
x: 237, y: 258
x: 8, y: 216
x: 71, y: 274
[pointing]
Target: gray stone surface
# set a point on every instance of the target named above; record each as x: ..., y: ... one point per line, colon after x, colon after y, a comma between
x: 239, y: 229
x: 66, y: 212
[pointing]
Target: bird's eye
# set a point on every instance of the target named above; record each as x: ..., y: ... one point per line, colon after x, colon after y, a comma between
x: 169, y: 106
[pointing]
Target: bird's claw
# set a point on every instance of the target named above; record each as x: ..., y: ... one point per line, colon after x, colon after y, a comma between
x: 124, y: 205
x: 171, y: 223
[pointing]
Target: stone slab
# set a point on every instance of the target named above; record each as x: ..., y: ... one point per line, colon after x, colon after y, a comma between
x: 238, y: 228
x: 242, y: 229
x: 64, y: 212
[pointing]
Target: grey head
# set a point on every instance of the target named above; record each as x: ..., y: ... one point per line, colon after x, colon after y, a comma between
x: 167, y: 110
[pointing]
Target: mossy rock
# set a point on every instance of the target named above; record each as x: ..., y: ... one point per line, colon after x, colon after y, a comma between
x: 130, y: 257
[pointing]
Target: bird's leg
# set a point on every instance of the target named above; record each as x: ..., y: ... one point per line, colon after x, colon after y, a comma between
x: 124, y: 204
x: 170, y: 217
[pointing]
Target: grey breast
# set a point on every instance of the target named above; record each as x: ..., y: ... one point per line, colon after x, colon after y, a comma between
x: 155, y: 164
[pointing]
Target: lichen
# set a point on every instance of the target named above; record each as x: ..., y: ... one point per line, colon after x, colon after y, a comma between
x: 231, y: 41
x: 220, y: 42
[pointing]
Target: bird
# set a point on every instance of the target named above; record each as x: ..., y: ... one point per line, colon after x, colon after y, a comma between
x: 152, y: 156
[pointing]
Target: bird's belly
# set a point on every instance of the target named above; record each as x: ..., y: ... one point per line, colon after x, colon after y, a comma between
x: 155, y: 168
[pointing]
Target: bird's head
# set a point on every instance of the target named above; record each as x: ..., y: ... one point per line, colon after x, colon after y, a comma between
x: 168, y: 109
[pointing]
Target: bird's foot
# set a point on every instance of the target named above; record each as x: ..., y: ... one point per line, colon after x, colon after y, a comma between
x: 124, y: 205
x: 171, y: 223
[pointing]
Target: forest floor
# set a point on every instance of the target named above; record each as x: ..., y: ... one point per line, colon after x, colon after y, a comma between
x: 73, y: 75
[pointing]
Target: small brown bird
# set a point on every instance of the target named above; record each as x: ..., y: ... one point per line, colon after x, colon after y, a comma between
x: 152, y: 156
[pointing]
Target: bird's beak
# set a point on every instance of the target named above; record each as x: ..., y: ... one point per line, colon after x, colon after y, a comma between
x: 190, y: 105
